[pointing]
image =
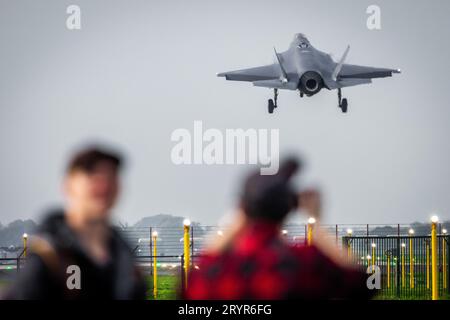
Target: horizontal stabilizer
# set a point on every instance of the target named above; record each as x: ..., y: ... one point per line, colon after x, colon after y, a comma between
x: 267, y: 72
x: 276, y: 83
x: 352, y: 82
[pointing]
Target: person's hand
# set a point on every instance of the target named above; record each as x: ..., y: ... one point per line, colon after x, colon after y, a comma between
x: 310, y: 202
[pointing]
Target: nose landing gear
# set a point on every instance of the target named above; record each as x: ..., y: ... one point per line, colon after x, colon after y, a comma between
x: 273, y: 103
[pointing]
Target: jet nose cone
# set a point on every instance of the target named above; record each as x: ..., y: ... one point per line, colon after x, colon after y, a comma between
x: 300, y: 37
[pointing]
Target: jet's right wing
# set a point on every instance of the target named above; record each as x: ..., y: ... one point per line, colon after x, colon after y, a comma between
x: 269, y: 72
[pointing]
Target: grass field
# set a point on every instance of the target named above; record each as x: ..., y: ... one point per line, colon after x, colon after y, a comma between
x: 168, y: 287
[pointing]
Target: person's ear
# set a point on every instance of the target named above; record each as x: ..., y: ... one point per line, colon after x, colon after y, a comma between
x: 241, y: 206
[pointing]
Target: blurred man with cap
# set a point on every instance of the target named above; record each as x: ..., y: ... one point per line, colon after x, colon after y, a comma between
x: 255, y: 262
x: 76, y: 253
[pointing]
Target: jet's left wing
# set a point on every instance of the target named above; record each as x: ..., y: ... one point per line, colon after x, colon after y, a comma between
x: 350, y: 71
x: 268, y: 72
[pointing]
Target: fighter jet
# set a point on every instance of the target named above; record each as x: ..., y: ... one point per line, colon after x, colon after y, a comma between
x: 306, y: 69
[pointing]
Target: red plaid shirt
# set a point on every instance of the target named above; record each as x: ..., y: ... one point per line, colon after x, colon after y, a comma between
x: 260, y: 265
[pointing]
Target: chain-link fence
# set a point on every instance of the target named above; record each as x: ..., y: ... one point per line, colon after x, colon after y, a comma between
x: 404, y: 260
x: 404, y: 263
x: 170, y: 239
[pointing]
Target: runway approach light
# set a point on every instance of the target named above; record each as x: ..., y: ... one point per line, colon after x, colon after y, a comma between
x: 25, y: 236
x: 403, y: 245
x: 155, y: 233
x: 349, y: 232
x: 434, y: 219
x: 374, y: 245
x: 186, y: 222
x: 411, y: 231
x: 311, y: 220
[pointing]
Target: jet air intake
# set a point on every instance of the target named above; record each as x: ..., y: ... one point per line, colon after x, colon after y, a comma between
x: 310, y: 83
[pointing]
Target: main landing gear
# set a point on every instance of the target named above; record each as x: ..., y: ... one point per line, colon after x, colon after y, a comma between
x: 343, y: 103
x: 273, y: 103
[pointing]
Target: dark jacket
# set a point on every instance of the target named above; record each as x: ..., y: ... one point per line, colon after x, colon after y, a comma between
x: 55, y: 248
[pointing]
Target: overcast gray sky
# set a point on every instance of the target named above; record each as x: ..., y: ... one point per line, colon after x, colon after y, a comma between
x: 137, y: 70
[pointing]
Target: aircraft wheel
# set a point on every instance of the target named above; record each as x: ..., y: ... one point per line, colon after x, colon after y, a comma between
x: 271, y: 106
x: 344, y: 105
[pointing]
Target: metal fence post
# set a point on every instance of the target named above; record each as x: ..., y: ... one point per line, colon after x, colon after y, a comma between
x: 448, y: 264
x: 192, y: 245
x: 152, y: 259
x: 18, y: 260
x: 398, y: 276
x: 337, y: 235
x: 346, y: 244
x: 434, y: 261
x: 367, y: 241
x: 155, y: 265
x: 182, y: 273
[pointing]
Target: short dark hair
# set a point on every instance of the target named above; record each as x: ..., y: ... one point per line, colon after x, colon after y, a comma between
x: 89, y: 157
x: 270, y: 197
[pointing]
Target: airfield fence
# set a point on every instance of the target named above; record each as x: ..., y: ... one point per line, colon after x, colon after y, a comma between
x: 404, y: 260
x: 170, y: 239
x: 404, y: 263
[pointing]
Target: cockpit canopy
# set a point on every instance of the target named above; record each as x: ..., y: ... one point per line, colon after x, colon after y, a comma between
x: 300, y: 41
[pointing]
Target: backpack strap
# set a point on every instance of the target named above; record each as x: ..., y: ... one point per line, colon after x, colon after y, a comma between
x: 42, y: 248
